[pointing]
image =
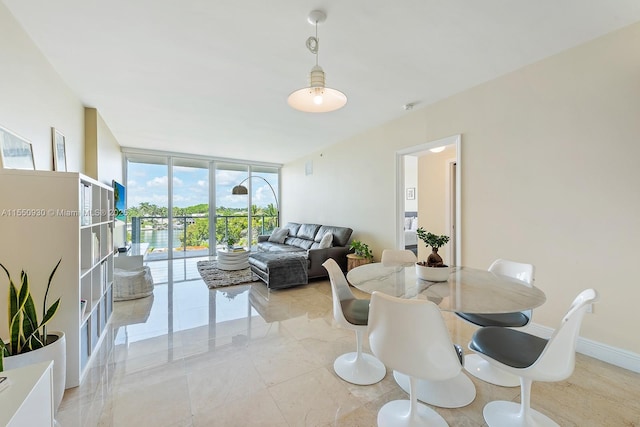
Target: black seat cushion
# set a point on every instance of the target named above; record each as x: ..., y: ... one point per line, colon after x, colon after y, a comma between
x: 513, y: 320
x: 510, y: 347
x: 356, y: 311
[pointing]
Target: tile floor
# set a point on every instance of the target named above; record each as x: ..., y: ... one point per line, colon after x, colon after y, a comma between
x: 240, y: 356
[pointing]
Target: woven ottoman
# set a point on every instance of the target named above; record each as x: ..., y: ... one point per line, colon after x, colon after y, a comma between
x: 280, y: 270
x: 132, y: 283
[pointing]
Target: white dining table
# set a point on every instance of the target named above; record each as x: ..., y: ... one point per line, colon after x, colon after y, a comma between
x: 468, y: 290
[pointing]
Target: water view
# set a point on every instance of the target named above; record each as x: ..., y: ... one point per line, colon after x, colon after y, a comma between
x: 160, y: 238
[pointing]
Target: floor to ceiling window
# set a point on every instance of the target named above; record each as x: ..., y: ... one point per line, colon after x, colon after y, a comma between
x: 245, y: 195
x: 264, y: 201
x: 171, y: 198
x: 147, y: 204
x: 190, y: 207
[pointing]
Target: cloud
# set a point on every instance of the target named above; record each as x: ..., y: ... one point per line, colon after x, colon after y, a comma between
x: 159, y: 181
x: 225, y: 177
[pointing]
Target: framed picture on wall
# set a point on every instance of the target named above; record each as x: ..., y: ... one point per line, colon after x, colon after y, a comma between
x: 411, y: 193
x: 59, y: 151
x: 15, y: 151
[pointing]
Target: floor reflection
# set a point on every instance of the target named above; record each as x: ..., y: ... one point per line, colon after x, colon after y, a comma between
x: 241, y: 355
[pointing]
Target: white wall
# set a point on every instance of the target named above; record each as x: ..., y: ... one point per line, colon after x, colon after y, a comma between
x: 432, y: 214
x: 103, y: 160
x: 411, y: 181
x: 33, y: 98
x: 549, y: 176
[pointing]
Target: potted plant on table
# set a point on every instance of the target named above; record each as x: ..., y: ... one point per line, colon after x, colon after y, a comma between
x: 230, y: 240
x: 433, y: 269
x: 29, y: 340
x: 361, y: 249
x: 362, y: 254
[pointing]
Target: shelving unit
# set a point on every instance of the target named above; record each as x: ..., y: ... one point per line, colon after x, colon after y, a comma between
x: 45, y: 216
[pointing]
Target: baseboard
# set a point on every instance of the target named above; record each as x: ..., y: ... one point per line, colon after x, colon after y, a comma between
x: 613, y: 355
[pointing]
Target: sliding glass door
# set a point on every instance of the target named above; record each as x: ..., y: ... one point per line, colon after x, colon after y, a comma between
x: 245, y: 195
x: 231, y: 210
x: 147, y: 203
x: 190, y: 207
x: 264, y: 213
x: 172, y: 199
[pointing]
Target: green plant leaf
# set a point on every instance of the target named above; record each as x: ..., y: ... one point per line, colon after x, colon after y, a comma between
x: 3, y: 352
x: 30, y: 317
x: 44, y: 302
x: 30, y: 325
x: 50, y: 313
x: 15, y: 329
x: 15, y: 316
x: 13, y: 298
x: 46, y: 294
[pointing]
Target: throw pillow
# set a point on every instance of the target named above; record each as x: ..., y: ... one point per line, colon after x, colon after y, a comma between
x: 279, y: 235
x: 326, y: 242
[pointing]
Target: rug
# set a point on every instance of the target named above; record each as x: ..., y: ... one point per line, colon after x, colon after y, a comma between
x: 215, y: 278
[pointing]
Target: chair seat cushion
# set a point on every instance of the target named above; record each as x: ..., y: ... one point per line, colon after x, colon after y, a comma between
x: 513, y: 320
x: 355, y: 310
x: 508, y: 346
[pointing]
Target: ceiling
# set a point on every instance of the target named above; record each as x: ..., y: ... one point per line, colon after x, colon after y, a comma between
x: 212, y: 77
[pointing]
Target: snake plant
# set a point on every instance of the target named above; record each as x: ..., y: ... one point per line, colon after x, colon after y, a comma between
x: 26, y: 334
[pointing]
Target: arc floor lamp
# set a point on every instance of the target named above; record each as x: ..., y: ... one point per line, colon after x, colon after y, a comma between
x: 243, y: 191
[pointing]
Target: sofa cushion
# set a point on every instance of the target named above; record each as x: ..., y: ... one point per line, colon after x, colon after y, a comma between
x: 308, y: 231
x: 293, y: 228
x: 327, y: 241
x: 341, y: 235
x: 278, y: 235
x: 298, y: 242
x: 278, y: 247
x: 324, y: 243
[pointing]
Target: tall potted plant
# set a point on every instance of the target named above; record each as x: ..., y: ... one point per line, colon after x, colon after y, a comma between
x: 433, y: 269
x: 29, y: 342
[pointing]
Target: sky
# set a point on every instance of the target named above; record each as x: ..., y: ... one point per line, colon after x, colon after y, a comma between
x: 148, y: 183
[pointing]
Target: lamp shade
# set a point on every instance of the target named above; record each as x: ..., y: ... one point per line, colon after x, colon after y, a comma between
x: 240, y: 189
x: 317, y: 99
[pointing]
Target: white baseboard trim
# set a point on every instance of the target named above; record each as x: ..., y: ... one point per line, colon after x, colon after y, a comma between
x: 613, y: 355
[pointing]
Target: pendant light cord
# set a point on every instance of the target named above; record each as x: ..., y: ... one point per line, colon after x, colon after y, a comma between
x: 312, y: 44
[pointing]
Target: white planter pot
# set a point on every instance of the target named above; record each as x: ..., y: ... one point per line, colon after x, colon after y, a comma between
x: 433, y: 274
x: 56, y: 351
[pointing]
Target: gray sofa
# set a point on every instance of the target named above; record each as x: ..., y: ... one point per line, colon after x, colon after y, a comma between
x: 301, y: 241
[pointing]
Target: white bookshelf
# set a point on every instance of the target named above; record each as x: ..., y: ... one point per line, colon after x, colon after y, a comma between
x: 45, y: 216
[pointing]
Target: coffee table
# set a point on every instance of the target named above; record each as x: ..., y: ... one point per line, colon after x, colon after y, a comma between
x: 234, y: 259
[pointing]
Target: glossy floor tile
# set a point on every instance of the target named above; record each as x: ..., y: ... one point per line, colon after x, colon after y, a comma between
x: 244, y: 356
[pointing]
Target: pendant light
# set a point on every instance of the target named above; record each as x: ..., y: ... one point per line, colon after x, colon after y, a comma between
x: 317, y: 98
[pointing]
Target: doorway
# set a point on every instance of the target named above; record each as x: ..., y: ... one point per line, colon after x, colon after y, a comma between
x: 431, y: 193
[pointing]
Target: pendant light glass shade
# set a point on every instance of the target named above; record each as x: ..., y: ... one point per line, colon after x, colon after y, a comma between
x: 317, y: 98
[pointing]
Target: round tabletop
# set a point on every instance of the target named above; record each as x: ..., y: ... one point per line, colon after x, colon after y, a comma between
x: 468, y: 290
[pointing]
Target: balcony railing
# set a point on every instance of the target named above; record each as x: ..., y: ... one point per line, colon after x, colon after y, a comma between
x: 191, y: 233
